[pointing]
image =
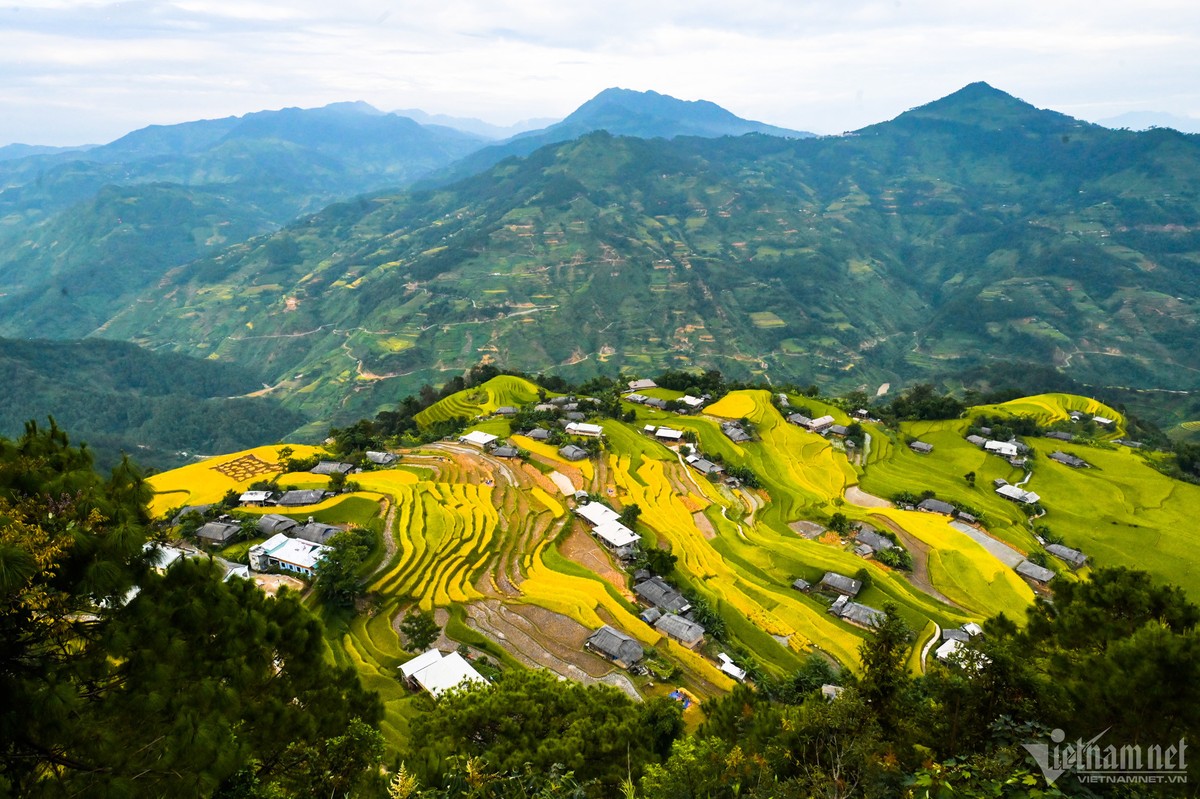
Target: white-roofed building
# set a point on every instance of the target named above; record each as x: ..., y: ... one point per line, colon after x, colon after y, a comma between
x: 255, y: 497
x: 161, y: 557
x: 411, y: 667
x: 730, y: 668
x: 668, y: 434
x: 585, y: 429
x: 1103, y: 421
x: 690, y: 401
x: 1017, y: 494
x: 597, y: 513
x: 446, y: 673
x: 478, y: 438
x: 286, y: 554
x: 1005, y: 448
x: 617, y: 537
x: 820, y: 424
x: 642, y: 385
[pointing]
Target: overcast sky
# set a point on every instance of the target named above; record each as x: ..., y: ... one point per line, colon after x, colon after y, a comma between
x: 75, y: 72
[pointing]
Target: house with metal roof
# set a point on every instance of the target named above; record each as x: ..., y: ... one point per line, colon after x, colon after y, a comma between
x: 1072, y: 557
x: 505, y: 452
x: 1017, y: 494
x: 617, y: 537
x: 303, y: 496
x: 839, y: 584
x: 1032, y: 571
x: 820, y: 424
x: 218, y: 532
x: 596, y: 513
x: 1006, y: 449
x: 315, y: 532
x: 655, y: 591
x: 382, y: 458
x: 585, y: 429
x: 479, y: 439
x: 271, y: 523
x: 1060, y: 435
x: 642, y: 385
x: 855, y: 613
x: 730, y: 668
x: 735, y: 433
x: 1068, y: 459
x: 332, y: 467
x: 920, y: 447
x: 437, y: 674
x: 255, y: 497
x: 874, y: 540
x: 286, y: 554
x: 616, y: 646
x: 936, y: 506
x: 799, y: 419
x: 573, y: 452
x: 688, y: 633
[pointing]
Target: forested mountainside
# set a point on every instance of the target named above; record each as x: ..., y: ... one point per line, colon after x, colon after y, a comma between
x: 973, y: 230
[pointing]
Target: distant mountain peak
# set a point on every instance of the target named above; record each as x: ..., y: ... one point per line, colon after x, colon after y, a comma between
x: 983, y: 105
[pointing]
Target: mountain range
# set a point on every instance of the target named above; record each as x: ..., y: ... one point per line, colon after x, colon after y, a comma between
x: 976, y: 230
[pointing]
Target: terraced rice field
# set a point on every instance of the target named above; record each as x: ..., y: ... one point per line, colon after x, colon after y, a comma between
x: 209, y: 480
x: 484, y: 399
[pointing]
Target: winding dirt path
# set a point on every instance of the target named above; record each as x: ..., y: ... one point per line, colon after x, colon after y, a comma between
x: 919, y: 576
x: 857, y: 496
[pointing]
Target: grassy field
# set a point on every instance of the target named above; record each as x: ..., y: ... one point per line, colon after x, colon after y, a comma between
x: 481, y: 400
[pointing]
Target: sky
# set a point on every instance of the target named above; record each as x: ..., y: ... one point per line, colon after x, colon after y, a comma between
x: 88, y: 72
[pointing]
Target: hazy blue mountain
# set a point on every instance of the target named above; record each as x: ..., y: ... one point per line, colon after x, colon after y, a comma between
x: 12, y: 151
x: 1144, y: 120
x: 476, y: 126
x: 622, y: 112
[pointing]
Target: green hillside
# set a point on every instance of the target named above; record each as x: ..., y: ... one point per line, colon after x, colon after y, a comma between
x: 970, y: 232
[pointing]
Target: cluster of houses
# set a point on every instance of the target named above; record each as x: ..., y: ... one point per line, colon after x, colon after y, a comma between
x: 868, y: 542
x: 668, y: 435
x: 934, y: 505
x: 493, y: 446
x: 846, y: 588
x: 636, y: 386
x: 953, y: 641
x: 291, y: 547
x: 668, y: 611
x: 1040, y: 574
x: 822, y: 425
x: 1012, y: 451
x: 607, y: 527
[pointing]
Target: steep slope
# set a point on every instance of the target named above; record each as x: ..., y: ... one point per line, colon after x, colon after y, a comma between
x: 113, y: 219
x: 120, y: 398
x: 973, y: 229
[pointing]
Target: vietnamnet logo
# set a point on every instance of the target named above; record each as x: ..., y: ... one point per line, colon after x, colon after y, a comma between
x: 1093, y: 762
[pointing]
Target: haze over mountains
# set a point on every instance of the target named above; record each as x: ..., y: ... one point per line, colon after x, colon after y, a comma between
x: 973, y: 230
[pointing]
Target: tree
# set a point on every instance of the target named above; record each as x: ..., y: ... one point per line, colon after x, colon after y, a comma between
x: 659, y: 561
x: 629, y: 515
x: 885, y: 674
x: 839, y: 523
x: 970, y: 478
x: 339, y: 581
x: 420, y: 628
x: 187, y: 686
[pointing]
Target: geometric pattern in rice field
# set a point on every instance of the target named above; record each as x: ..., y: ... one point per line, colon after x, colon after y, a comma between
x: 245, y: 468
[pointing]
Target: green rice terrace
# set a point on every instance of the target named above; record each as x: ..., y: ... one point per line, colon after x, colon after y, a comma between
x: 492, y: 544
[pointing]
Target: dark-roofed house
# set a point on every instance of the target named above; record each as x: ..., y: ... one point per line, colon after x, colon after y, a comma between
x: 1072, y: 557
x: 302, y: 496
x: 1032, y: 571
x: 656, y: 592
x: 921, y: 447
x: 936, y: 506
x: 650, y: 615
x: 978, y: 441
x: 382, y: 458
x: 1068, y: 459
x: 315, y: 532
x: 840, y: 584
x: 705, y: 466
x: 688, y: 633
x: 655, y: 402
x: 616, y: 646
x: 218, y: 532
x: 538, y: 434
x: 799, y: 419
x: 573, y: 453
x: 271, y: 523
x: 802, y: 585
x: 875, y: 541
x: 506, y: 410
x: 735, y: 433
x: 505, y: 452
x: 839, y: 430
x: 1060, y: 435
x: 855, y: 613
x: 332, y: 467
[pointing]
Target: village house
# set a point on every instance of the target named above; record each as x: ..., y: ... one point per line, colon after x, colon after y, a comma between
x: 1068, y: 460
x: 286, y: 554
x: 332, y: 467
x: 800, y: 584
x: 505, y: 451
x: 583, y: 429
x: 538, y: 434
x: 688, y: 633
x: 706, y: 467
x: 978, y: 441
x: 735, y: 433
x: 800, y: 419
x: 303, y: 496
x: 693, y: 403
x: 271, y: 523
x: 655, y: 591
x: 218, y: 533
x: 256, y: 498
x: 161, y: 557
x: 855, y: 613
x: 729, y: 668
x: 1034, y: 572
x: 839, y: 584
x: 642, y: 385
x: 936, y: 506
x: 875, y: 541
x: 616, y: 646
x: 1005, y: 449
x: 1059, y: 435
x: 820, y: 424
x: 655, y: 402
x: 573, y: 452
x: 478, y: 438
x: 381, y: 458
x: 837, y: 430
x: 435, y: 674
x: 617, y: 537
x: 920, y: 447
x: 1072, y: 557
x: 668, y: 434
x: 506, y: 410
x: 314, y: 532
x: 1015, y: 494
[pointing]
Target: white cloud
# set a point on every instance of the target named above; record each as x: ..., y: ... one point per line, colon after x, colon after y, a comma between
x: 800, y: 63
